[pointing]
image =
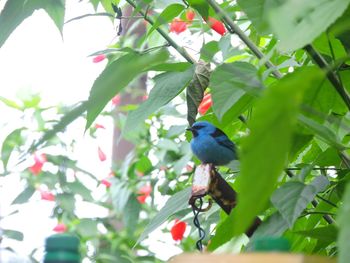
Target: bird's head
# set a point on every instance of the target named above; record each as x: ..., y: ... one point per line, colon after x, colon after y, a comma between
x: 201, y: 127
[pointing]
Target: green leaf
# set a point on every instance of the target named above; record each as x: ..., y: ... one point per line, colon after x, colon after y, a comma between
x: 144, y: 165
x: 120, y: 194
x: 292, y: 198
x: 131, y: 214
x: 15, y: 12
x: 66, y: 201
x: 10, y: 103
x: 326, y: 234
x: 167, y: 86
x: 257, y: 11
x: 230, y: 82
x: 209, y: 50
x: 55, y: 9
x: 298, y: 23
x: 201, y: 6
x: 195, y: 91
x: 344, y: 228
x: 24, y: 196
x: 322, y: 132
x: 176, y: 203
x: 264, y: 152
x: 12, y: 140
x: 116, y: 76
x: 13, y: 234
x: 274, y: 226
x: 80, y: 189
x: 87, y: 227
x: 167, y: 15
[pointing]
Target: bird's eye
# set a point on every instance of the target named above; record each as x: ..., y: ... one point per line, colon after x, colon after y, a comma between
x: 198, y: 127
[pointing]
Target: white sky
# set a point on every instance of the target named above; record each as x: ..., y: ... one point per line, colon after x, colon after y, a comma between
x: 36, y: 59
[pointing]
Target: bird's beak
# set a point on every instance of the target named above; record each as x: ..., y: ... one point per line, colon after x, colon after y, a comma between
x: 189, y: 129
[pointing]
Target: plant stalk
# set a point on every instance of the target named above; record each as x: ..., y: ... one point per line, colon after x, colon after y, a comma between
x: 250, y: 44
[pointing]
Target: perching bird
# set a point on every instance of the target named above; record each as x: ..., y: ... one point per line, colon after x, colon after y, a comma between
x: 211, y: 145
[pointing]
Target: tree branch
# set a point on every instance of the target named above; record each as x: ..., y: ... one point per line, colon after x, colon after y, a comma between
x: 250, y: 44
x: 171, y: 42
x: 332, y: 77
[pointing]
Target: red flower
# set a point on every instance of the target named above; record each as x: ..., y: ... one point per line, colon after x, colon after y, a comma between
x: 106, y: 180
x: 39, y: 160
x: 116, y: 100
x: 101, y: 155
x: 205, y: 104
x: 190, y: 14
x: 99, y: 58
x: 178, y: 25
x: 144, y: 192
x: 46, y: 195
x: 60, y: 228
x: 178, y: 230
x: 99, y: 126
x: 216, y: 25
x: 144, y: 97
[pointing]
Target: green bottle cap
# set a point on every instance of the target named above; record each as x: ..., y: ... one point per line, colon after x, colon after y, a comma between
x: 271, y: 244
x: 62, y: 248
x: 62, y: 242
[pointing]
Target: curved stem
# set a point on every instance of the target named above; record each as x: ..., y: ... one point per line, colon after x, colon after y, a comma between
x: 171, y: 42
x: 250, y: 44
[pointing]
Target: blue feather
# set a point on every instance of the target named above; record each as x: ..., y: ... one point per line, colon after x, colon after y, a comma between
x: 211, y: 145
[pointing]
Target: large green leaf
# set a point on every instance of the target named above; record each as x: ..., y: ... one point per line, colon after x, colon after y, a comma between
x: 322, y: 132
x: 167, y: 86
x: 292, y: 198
x: 298, y: 22
x: 131, y: 214
x: 257, y: 11
x: 195, y: 91
x: 24, y: 196
x: 230, y: 82
x: 116, y: 76
x: 201, y: 6
x: 15, y: 12
x: 326, y: 234
x: 274, y: 226
x: 11, y: 141
x: 264, y: 152
x: 13, y: 234
x: 167, y: 15
x: 344, y: 228
x: 87, y: 227
x: 176, y: 203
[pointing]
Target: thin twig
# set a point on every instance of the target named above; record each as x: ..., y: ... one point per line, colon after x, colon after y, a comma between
x: 332, y: 77
x: 326, y: 201
x: 171, y: 42
x: 250, y: 44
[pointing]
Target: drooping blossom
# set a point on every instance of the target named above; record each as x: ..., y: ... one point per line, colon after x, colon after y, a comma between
x: 143, y: 193
x: 39, y: 160
x: 101, y: 154
x: 205, y: 104
x: 106, y: 181
x: 116, y: 100
x: 216, y: 25
x: 178, y: 230
x: 190, y: 14
x: 178, y: 26
x: 99, y: 58
x: 99, y: 126
x: 46, y: 195
x: 60, y: 228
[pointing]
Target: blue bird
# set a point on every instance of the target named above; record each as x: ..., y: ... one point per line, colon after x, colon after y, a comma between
x: 211, y: 145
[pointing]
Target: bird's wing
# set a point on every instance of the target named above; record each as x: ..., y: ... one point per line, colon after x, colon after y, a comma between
x: 222, y: 139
